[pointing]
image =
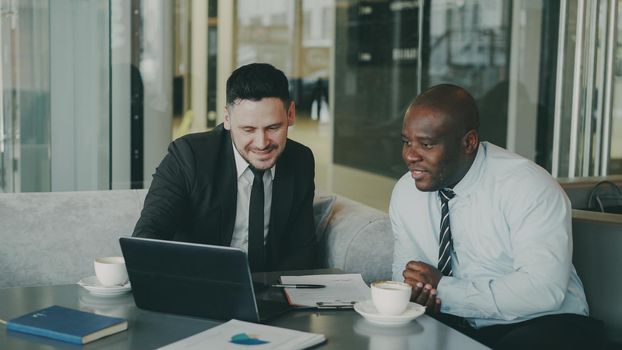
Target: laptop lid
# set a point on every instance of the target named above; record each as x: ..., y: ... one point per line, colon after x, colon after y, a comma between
x: 194, y: 280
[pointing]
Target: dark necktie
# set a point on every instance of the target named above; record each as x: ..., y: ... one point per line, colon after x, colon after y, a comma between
x: 446, y: 244
x: 255, y: 224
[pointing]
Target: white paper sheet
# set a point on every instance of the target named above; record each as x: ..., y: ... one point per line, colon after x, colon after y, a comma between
x: 341, y: 289
x: 224, y: 337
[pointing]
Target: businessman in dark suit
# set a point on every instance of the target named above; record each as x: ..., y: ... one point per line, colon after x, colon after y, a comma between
x: 244, y: 183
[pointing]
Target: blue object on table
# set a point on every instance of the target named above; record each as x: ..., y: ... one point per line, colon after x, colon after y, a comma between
x: 68, y: 325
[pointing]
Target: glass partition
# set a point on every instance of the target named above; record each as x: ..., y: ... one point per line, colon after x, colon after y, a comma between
x: 615, y: 158
x: 87, y: 91
x: 588, y: 113
x: 91, y: 89
x: 25, y: 116
x: 390, y: 50
x: 469, y: 45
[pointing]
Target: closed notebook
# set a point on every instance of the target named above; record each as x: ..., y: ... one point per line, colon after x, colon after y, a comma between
x: 68, y: 325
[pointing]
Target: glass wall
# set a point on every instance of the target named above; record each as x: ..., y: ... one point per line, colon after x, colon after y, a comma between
x: 393, y: 49
x: 469, y: 45
x: 54, y: 81
x: 588, y: 113
x: 265, y: 32
x: 295, y: 36
x: 25, y: 99
x: 148, y: 64
x: 376, y: 75
x: 615, y: 158
x: 92, y: 89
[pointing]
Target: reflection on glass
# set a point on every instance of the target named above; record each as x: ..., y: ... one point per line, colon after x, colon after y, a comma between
x: 265, y: 33
x: 376, y: 64
x: 25, y: 98
x: 383, y: 337
x: 615, y: 158
x: 55, y: 130
x: 294, y: 36
x: 376, y: 74
x: 469, y: 45
x: 588, y: 136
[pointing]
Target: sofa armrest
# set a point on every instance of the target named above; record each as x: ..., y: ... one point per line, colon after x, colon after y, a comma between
x: 596, y: 256
x: 358, y: 239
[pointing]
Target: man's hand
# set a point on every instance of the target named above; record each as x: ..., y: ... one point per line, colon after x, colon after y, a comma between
x: 422, y: 272
x: 423, y: 279
x: 425, y: 295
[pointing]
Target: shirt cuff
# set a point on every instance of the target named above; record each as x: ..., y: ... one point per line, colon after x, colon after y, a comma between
x: 453, y: 293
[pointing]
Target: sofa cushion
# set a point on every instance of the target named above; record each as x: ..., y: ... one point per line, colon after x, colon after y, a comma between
x: 322, y: 210
x: 358, y: 240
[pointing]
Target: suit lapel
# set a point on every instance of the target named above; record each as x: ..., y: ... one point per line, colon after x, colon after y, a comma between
x: 229, y: 190
x: 282, y: 194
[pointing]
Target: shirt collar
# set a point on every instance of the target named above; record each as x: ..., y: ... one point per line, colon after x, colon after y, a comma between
x: 473, y: 174
x: 241, y: 164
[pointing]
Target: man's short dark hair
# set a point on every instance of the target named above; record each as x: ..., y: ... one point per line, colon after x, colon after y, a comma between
x: 454, y: 100
x: 256, y: 81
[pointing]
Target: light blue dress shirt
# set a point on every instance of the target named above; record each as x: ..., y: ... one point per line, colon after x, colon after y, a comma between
x: 511, y: 227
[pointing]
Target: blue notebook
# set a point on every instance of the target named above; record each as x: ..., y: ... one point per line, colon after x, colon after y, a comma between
x: 68, y: 325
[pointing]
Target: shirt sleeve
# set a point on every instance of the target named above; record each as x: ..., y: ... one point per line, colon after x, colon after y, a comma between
x: 404, y: 247
x: 399, y: 255
x: 539, y: 225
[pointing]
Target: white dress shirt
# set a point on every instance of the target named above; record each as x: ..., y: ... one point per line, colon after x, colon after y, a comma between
x: 245, y: 184
x: 512, y: 237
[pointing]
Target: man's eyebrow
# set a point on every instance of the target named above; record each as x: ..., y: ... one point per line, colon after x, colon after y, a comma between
x: 419, y: 137
x: 275, y: 124
x: 260, y: 127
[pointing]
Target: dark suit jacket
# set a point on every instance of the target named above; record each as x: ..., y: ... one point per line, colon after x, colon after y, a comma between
x: 194, y: 191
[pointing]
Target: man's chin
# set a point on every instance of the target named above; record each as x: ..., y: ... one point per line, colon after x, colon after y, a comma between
x: 262, y: 164
x: 424, y: 186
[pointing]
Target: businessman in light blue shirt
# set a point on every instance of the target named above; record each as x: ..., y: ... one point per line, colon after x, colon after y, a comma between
x: 492, y: 254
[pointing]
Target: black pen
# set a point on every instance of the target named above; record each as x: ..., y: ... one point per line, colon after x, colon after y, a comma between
x: 286, y: 285
x: 336, y: 305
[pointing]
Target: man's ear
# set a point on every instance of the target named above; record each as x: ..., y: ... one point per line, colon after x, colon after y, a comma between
x: 471, y: 141
x: 227, y: 121
x: 291, y: 114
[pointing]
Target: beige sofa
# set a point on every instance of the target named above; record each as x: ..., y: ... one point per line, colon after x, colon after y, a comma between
x: 52, y: 238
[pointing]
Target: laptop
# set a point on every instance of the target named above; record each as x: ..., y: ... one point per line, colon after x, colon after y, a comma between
x: 195, y: 280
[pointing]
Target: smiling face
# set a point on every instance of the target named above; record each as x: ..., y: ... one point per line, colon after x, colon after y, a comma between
x: 259, y: 129
x: 436, y: 149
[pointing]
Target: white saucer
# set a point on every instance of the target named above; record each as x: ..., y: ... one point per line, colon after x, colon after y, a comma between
x: 92, y: 285
x: 368, y: 310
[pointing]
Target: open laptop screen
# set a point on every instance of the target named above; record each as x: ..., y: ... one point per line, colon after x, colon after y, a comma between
x: 190, y: 279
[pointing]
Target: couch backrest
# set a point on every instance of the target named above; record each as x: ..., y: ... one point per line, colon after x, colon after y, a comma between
x: 53, y: 237
x: 579, y: 189
x: 358, y: 239
x: 597, y: 256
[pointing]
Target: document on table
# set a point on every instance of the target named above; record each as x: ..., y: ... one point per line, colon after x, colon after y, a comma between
x: 342, y: 290
x: 239, y: 334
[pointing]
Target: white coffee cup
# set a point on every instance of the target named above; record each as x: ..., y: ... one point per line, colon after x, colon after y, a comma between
x: 110, y: 271
x: 390, y: 297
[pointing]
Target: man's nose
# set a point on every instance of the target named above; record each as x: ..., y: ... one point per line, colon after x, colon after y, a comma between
x: 411, y: 154
x: 261, y: 139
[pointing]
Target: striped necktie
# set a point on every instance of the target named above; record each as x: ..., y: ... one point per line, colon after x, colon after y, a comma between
x: 445, y: 243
